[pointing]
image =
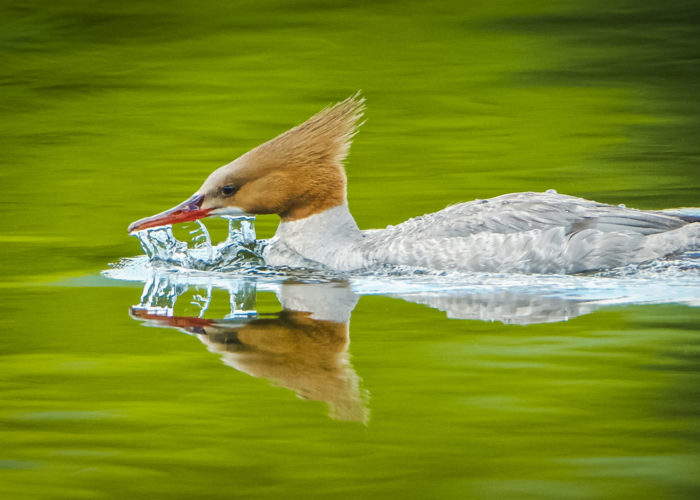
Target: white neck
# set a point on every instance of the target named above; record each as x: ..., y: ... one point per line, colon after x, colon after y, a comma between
x: 325, y: 301
x: 330, y: 238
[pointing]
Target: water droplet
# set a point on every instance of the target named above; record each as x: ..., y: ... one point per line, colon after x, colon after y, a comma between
x: 240, y: 246
x: 551, y: 191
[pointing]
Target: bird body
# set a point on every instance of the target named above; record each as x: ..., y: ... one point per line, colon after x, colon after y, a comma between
x: 299, y: 175
x: 518, y: 232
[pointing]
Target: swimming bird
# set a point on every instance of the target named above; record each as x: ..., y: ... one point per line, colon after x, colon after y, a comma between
x: 300, y: 176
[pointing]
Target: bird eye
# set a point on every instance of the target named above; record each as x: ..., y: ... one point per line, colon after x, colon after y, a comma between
x: 228, y: 190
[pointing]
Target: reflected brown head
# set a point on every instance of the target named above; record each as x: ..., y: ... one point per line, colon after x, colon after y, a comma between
x: 293, y: 350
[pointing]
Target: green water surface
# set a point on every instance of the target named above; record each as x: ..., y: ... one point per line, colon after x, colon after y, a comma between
x: 112, y: 111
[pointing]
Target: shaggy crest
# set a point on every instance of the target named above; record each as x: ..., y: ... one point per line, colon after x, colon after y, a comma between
x: 323, y: 140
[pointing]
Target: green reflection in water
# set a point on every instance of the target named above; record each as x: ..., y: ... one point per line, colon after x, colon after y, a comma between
x: 112, y: 111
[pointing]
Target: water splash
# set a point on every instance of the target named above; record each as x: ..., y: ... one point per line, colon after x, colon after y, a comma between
x: 240, y: 249
x: 161, y: 292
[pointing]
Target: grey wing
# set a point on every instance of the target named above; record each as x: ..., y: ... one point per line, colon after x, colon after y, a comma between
x: 632, y: 221
x: 518, y: 212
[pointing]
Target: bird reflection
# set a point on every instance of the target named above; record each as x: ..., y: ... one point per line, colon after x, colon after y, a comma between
x: 303, y: 348
x: 505, y: 306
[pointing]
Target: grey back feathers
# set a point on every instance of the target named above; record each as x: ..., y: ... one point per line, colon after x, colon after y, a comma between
x: 532, y: 233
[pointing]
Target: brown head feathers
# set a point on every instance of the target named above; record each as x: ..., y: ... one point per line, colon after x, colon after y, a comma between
x: 298, y: 173
x: 324, y: 138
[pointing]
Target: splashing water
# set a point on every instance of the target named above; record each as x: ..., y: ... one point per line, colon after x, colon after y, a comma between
x: 160, y: 293
x: 240, y: 249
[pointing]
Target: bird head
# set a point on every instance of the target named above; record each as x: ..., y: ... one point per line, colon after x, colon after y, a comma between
x: 295, y: 175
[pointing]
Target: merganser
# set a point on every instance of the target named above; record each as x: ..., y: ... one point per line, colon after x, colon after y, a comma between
x: 299, y: 175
